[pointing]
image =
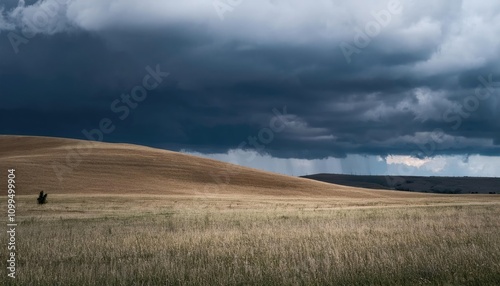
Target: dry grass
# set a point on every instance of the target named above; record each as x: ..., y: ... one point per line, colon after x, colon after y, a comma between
x: 131, y: 215
x: 132, y: 240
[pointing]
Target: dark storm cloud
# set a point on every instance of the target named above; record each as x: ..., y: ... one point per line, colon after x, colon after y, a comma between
x: 418, y: 75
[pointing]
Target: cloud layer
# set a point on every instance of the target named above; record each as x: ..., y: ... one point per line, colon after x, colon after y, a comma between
x: 421, y: 81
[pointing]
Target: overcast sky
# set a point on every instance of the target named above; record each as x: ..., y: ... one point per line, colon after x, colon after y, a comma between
x: 297, y: 87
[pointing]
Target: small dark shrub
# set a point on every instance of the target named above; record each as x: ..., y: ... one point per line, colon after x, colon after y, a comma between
x: 42, y: 198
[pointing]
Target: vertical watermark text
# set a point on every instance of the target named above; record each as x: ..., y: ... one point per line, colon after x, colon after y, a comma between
x: 11, y: 223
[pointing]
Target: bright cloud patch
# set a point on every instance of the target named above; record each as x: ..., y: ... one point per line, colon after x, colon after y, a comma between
x: 407, y: 160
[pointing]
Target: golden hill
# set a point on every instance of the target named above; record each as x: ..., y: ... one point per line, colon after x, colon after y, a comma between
x: 66, y: 166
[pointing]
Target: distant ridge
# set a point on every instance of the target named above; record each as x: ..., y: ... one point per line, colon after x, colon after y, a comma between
x: 442, y: 185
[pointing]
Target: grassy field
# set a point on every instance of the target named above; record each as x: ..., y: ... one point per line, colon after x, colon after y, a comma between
x: 221, y: 240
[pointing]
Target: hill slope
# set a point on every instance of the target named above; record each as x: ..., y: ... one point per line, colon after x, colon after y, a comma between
x: 65, y: 166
